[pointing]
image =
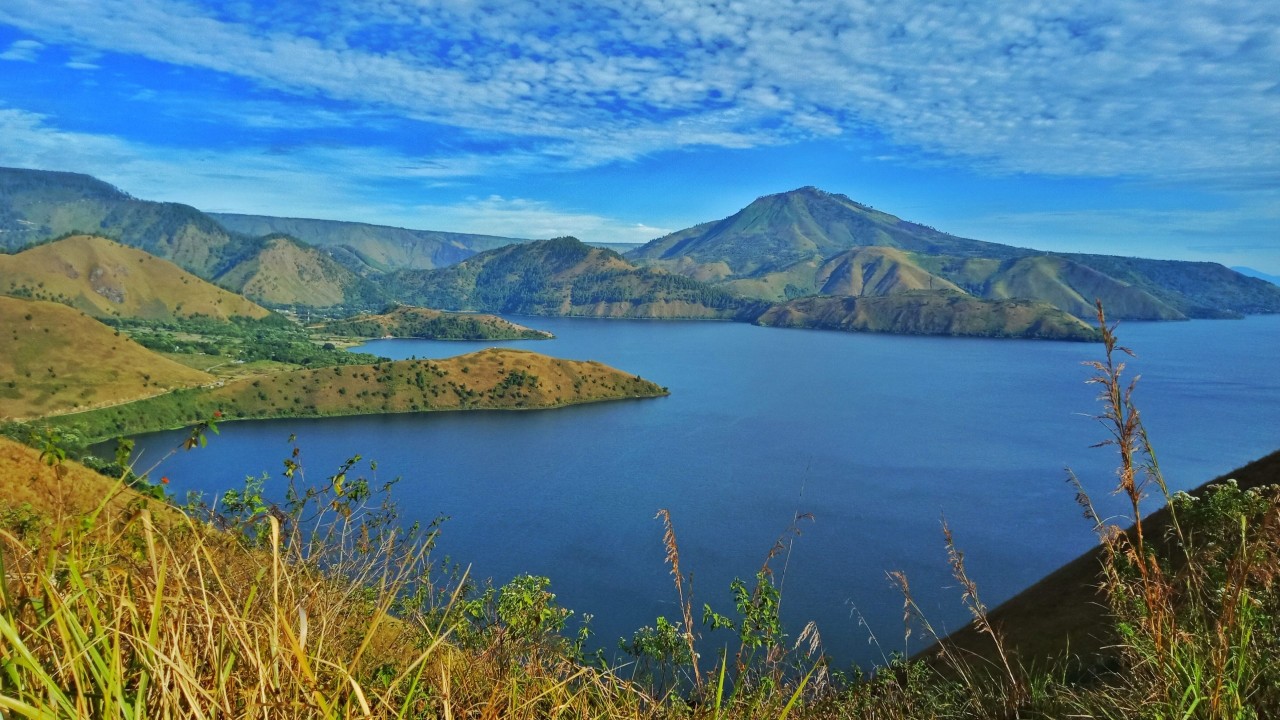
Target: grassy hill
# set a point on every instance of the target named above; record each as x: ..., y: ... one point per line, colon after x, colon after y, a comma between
x: 414, y: 322
x: 106, y: 279
x: 57, y: 360
x: 282, y: 271
x: 563, y: 276
x: 490, y: 379
x: 930, y: 313
x: 370, y: 248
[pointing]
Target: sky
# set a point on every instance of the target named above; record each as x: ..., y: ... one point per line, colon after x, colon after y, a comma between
x: 1136, y: 128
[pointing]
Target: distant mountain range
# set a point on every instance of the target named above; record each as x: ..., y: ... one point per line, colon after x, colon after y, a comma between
x: 276, y: 261
x: 564, y: 276
x: 779, y: 249
x: 810, y: 242
x: 368, y: 248
x: 1273, y: 279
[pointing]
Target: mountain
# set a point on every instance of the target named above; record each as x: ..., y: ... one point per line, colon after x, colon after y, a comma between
x: 283, y: 271
x: 368, y: 248
x: 564, y: 276
x: 36, y: 205
x: 924, y: 312
x: 777, y: 231
x: 45, y: 367
x: 784, y: 246
x: 106, y: 279
x: 414, y: 322
x: 1250, y: 272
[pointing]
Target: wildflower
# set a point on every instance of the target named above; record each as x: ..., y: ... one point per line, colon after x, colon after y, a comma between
x: 164, y: 480
x: 217, y: 413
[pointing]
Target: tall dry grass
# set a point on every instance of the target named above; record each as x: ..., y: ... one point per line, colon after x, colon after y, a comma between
x: 329, y: 610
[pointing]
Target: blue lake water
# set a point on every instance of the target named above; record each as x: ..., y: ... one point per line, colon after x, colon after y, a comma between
x: 876, y: 435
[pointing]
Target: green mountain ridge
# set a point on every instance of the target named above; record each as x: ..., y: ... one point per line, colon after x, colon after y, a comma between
x: 924, y: 312
x: 36, y: 205
x: 366, y: 248
x: 779, y: 247
x: 564, y: 276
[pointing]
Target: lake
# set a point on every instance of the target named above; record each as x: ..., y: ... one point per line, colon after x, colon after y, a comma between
x: 877, y: 436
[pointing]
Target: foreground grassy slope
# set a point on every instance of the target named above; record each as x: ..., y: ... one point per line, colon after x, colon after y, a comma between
x: 106, y: 279
x: 57, y: 360
x: 930, y: 313
x: 490, y: 379
x: 405, y: 321
x: 1066, y: 611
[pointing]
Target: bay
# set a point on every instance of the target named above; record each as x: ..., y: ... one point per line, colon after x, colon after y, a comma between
x: 876, y: 436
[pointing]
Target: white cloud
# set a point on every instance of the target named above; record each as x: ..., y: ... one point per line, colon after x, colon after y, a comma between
x: 519, y: 217
x: 1069, y: 87
x: 23, y: 51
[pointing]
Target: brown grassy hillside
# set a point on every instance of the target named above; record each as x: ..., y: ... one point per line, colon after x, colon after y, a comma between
x: 287, y: 272
x: 57, y: 359
x: 876, y: 271
x: 29, y: 485
x: 416, y: 322
x: 106, y: 279
x: 498, y: 379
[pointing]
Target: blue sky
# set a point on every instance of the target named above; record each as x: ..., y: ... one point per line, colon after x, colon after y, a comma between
x: 1125, y: 127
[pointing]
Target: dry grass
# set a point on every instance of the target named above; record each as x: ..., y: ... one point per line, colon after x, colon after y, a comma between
x: 107, y: 279
x: 45, y: 367
x: 327, y: 612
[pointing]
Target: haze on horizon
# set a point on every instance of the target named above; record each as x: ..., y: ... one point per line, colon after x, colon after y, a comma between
x: 1061, y: 126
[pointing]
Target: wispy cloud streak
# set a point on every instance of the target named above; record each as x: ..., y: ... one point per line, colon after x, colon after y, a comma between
x: 1045, y: 87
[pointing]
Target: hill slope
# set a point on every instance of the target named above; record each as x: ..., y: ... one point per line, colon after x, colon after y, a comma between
x: 925, y: 312
x: 106, y: 279
x: 562, y: 277
x: 778, y: 247
x: 44, y: 367
x: 1065, y: 610
x: 370, y: 248
x: 414, y: 322
x: 284, y: 271
x: 497, y: 378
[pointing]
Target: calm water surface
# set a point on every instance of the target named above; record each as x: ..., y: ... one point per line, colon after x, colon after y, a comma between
x: 877, y: 436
